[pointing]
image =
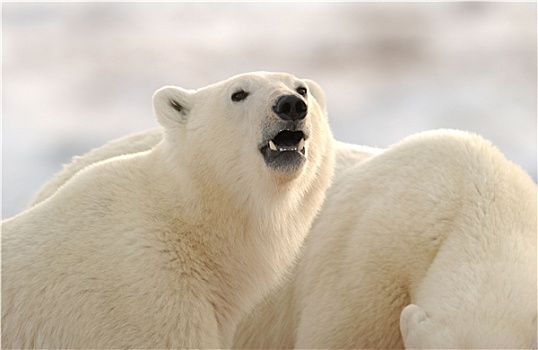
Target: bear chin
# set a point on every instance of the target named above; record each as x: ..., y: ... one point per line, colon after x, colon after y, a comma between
x: 284, y: 161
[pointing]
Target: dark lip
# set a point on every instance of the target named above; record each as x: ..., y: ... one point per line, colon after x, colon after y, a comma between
x: 285, y: 162
x: 291, y: 129
x: 265, y: 150
x: 292, y: 126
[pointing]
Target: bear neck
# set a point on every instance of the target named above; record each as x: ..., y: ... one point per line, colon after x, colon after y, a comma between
x: 258, y: 234
x: 206, y: 196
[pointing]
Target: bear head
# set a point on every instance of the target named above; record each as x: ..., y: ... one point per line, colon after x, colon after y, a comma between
x: 251, y: 127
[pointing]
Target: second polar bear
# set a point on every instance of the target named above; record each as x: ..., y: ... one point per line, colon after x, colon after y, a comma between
x: 441, y: 221
x: 172, y: 246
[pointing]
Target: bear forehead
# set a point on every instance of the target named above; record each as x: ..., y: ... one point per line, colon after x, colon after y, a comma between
x: 258, y: 79
x: 265, y: 77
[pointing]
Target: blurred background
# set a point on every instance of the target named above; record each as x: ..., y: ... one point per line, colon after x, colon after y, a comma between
x: 76, y: 75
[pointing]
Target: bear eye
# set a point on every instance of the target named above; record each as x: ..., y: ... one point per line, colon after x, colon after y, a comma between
x: 239, y: 95
x: 301, y: 90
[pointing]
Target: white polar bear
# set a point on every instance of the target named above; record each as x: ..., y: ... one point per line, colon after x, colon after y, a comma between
x: 442, y: 220
x: 171, y: 247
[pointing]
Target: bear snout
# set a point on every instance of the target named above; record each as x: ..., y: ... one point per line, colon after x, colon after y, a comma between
x: 290, y: 107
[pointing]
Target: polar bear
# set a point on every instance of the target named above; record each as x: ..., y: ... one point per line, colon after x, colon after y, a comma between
x: 465, y: 251
x: 171, y: 247
x: 135, y: 143
x: 440, y: 226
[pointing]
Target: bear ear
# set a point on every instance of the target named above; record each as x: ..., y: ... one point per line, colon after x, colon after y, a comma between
x: 317, y: 92
x: 171, y: 105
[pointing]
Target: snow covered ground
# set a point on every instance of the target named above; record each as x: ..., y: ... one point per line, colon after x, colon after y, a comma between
x: 76, y: 75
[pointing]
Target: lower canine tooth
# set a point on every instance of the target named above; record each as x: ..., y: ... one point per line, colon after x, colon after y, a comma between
x: 301, y: 145
x: 272, y: 145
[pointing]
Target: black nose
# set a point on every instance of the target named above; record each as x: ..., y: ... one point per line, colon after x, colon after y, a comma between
x: 290, y: 107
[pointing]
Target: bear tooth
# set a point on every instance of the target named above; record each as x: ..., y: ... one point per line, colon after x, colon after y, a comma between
x: 301, y: 145
x: 272, y: 145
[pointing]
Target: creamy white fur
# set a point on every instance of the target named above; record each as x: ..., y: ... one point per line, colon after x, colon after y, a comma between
x: 441, y: 220
x: 169, y: 247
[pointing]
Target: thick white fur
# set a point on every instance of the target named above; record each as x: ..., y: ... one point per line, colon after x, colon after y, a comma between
x: 172, y: 246
x: 441, y: 220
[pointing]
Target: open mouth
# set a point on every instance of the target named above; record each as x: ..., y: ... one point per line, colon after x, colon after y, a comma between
x: 288, y: 141
x: 286, y: 151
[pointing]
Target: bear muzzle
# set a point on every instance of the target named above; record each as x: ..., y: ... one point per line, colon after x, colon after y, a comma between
x: 285, y: 145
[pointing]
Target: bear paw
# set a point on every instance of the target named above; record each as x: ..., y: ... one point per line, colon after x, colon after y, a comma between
x: 413, y: 321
